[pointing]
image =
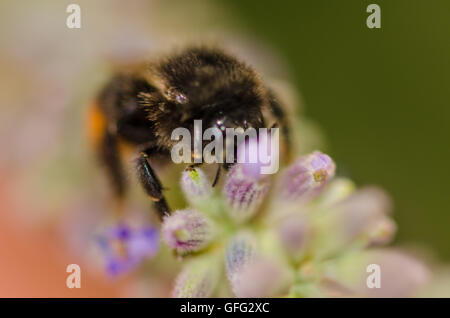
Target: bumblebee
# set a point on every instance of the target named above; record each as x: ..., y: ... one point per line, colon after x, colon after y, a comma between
x: 143, y: 105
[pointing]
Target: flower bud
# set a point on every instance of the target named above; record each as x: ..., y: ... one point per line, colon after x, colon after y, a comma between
x: 360, y: 219
x: 195, y: 185
x: 368, y: 201
x: 240, y: 252
x: 249, y: 272
x: 336, y: 190
x: 243, y: 194
x: 395, y: 273
x: 306, y: 178
x: 187, y: 231
x: 293, y: 232
x: 382, y: 232
x: 263, y: 277
x: 365, y: 214
x: 198, y: 279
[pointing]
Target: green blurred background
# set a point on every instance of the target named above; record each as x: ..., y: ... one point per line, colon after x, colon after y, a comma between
x: 380, y: 95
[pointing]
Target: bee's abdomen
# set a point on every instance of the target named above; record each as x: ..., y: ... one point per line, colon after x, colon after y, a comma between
x: 119, y: 102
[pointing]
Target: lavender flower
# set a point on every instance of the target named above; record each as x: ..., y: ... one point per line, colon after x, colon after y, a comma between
x: 359, y: 220
x: 381, y: 232
x: 240, y: 252
x: 243, y: 193
x: 299, y: 243
x: 336, y: 190
x: 364, y: 214
x: 263, y: 277
x: 250, y: 273
x: 312, y: 239
x: 401, y: 275
x: 125, y: 247
x: 198, y: 279
x: 239, y: 255
x: 195, y: 185
x: 294, y: 232
x: 306, y: 178
x: 187, y: 231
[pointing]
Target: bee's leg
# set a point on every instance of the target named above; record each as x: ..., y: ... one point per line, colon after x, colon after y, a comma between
x: 279, y: 114
x: 151, y: 184
x: 110, y: 156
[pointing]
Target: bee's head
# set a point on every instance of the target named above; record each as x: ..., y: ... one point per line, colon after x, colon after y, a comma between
x: 244, y: 125
x: 235, y: 118
x: 207, y: 84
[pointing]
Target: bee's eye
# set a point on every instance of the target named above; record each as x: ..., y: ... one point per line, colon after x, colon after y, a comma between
x: 175, y: 95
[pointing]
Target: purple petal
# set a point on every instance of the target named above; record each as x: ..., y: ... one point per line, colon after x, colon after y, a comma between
x: 244, y: 195
x: 124, y: 247
x: 187, y: 231
x: 306, y: 178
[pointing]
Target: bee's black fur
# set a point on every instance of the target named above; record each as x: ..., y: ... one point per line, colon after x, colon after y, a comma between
x: 109, y: 154
x: 145, y: 106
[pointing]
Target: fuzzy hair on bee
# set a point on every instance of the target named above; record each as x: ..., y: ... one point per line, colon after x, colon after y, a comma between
x: 205, y: 84
x: 144, y: 105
